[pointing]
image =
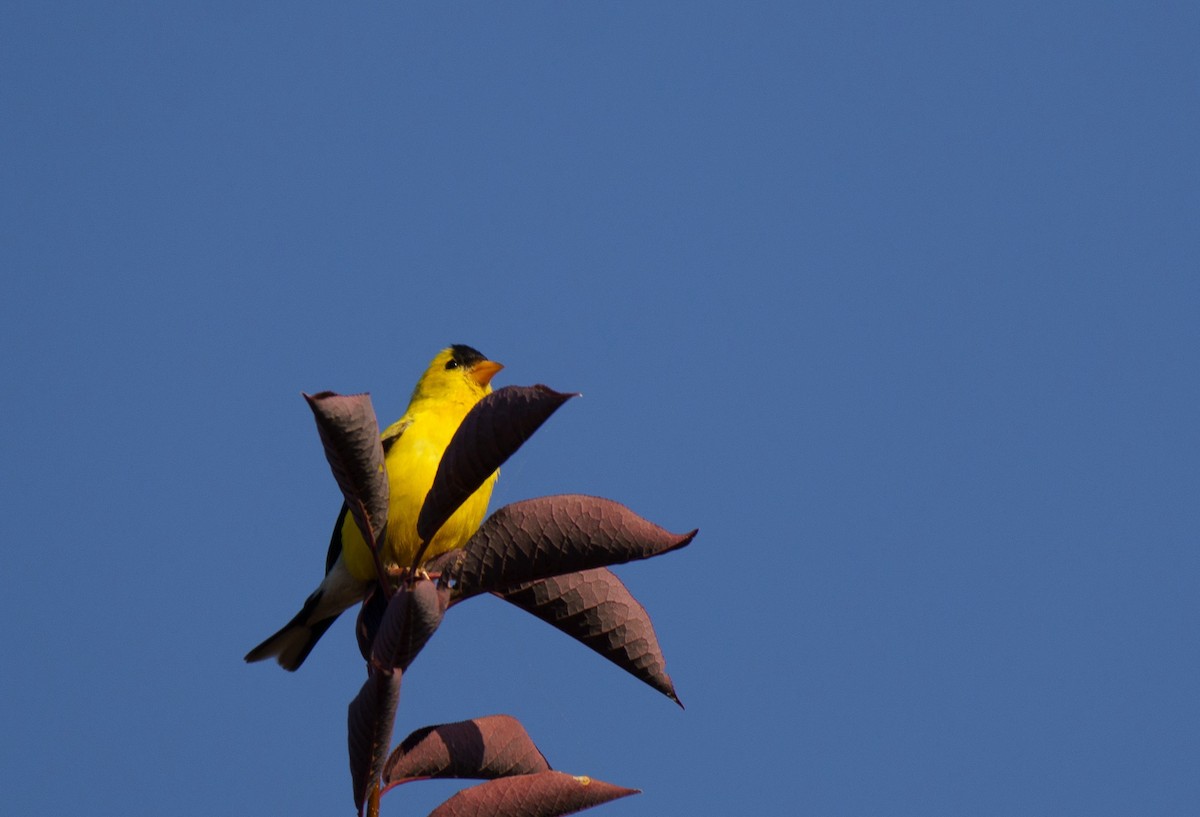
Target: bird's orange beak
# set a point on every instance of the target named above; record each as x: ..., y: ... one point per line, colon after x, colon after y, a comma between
x: 483, y: 372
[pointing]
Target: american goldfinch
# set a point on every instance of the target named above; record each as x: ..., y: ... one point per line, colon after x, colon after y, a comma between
x: 457, y: 378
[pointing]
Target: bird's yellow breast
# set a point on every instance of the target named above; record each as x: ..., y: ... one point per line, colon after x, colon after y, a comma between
x: 412, y: 462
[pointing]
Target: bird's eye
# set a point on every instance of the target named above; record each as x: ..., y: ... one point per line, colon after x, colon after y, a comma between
x: 451, y: 364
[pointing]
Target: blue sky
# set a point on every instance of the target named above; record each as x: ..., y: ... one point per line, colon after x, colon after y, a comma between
x: 898, y: 303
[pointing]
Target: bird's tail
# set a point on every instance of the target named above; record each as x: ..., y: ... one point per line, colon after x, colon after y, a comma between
x: 292, y: 644
x: 295, y: 640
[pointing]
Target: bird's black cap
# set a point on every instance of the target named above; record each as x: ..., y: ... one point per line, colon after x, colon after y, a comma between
x: 464, y: 356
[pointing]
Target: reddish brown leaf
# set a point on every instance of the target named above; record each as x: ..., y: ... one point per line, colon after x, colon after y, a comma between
x: 369, y: 721
x: 350, y: 435
x: 370, y: 616
x: 596, y: 608
x: 545, y: 794
x: 492, y: 431
x: 552, y: 535
x: 412, y: 616
x: 486, y: 748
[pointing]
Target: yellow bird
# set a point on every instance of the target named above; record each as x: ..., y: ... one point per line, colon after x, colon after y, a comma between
x: 457, y: 379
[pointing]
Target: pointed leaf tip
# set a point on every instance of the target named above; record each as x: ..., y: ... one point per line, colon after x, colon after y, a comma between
x: 596, y: 608
x: 492, y: 431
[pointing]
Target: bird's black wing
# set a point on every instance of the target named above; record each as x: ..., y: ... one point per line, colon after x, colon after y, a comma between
x: 335, y: 541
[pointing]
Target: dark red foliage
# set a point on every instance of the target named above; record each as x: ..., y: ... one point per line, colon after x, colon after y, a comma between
x: 486, y: 748
x: 350, y: 435
x: 370, y: 616
x: 369, y: 730
x: 545, y: 794
x: 552, y: 535
x: 492, y: 431
x: 413, y: 614
x: 595, y: 607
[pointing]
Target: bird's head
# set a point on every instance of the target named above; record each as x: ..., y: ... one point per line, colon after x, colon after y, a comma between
x: 458, y: 372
